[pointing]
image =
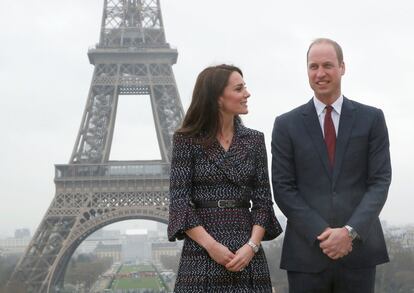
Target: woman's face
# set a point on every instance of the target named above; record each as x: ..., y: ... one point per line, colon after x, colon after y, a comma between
x: 233, y: 101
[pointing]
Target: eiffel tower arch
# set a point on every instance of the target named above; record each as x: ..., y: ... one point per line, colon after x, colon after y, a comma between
x: 131, y: 58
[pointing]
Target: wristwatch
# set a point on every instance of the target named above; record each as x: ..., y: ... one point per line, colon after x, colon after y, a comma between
x: 253, y: 245
x: 351, y: 232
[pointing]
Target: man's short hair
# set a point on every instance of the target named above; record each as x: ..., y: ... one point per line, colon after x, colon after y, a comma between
x: 338, y: 49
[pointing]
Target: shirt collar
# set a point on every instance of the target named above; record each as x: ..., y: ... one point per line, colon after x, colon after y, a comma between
x: 337, y: 105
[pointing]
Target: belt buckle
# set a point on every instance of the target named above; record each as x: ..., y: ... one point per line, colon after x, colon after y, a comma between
x: 223, y: 203
x: 192, y: 204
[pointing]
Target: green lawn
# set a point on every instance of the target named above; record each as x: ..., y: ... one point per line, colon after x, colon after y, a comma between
x: 136, y: 268
x: 131, y: 283
x: 148, y: 283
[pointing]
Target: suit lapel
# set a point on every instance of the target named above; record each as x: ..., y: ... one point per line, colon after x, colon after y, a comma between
x: 346, y: 122
x: 229, y: 162
x: 310, y: 119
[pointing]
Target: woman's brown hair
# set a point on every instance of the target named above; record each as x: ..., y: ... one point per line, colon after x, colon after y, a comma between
x: 202, y: 118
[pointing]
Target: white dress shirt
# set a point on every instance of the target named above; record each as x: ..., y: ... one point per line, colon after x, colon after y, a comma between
x: 336, y: 112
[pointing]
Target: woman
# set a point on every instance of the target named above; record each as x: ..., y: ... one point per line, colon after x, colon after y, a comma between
x: 218, y: 166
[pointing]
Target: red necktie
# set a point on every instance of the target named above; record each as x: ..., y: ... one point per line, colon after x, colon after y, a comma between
x: 330, y: 135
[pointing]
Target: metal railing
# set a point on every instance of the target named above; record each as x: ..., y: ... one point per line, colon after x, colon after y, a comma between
x: 136, y: 170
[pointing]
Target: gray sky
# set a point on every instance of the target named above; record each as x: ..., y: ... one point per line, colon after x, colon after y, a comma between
x: 45, y: 76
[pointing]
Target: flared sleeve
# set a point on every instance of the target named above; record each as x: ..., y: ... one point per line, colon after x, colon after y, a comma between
x: 262, y: 210
x: 182, y: 216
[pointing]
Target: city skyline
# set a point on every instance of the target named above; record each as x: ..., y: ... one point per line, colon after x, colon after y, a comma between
x: 45, y: 77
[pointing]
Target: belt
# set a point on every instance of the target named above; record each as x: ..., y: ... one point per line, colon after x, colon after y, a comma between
x: 222, y: 203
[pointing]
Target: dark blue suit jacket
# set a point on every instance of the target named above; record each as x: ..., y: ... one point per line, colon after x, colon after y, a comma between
x: 314, y: 197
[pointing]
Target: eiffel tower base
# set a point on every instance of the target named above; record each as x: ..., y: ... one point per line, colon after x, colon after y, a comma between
x: 82, y: 207
x: 132, y: 58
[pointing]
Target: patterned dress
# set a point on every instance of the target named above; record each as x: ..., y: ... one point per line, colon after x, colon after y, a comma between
x: 199, y: 173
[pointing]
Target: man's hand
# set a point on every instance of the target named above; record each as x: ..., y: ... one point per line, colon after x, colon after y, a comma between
x: 242, y: 258
x: 335, y: 242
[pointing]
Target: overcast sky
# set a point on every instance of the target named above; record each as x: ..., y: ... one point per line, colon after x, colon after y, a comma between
x: 45, y: 77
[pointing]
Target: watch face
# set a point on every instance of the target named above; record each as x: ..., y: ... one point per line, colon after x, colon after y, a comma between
x: 353, y: 234
x: 253, y: 246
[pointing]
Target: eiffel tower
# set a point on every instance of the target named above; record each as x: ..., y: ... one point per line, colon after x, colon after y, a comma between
x: 131, y: 58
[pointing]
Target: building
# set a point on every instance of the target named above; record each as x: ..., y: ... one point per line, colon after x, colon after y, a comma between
x: 22, y: 233
x: 164, y: 248
x: 136, y: 246
x: 106, y: 237
x: 14, y: 245
x: 113, y: 251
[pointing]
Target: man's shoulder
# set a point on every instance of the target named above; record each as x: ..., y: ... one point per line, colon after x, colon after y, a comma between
x: 360, y: 107
x: 294, y: 113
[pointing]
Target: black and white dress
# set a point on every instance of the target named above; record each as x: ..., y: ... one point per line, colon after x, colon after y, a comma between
x: 199, y: 174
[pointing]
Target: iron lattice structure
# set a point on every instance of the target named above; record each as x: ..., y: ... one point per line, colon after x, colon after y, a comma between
x: 131, y: 58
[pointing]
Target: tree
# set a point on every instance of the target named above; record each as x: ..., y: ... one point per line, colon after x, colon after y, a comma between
x: 397, y: 276
x: 7, y: 265
x: 85, y: 269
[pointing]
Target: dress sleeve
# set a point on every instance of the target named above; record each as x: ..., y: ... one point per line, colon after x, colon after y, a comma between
x: 262, y: 210
x: 181, y: 214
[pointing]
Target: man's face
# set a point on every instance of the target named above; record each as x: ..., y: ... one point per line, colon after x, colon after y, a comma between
x: 325, y: 72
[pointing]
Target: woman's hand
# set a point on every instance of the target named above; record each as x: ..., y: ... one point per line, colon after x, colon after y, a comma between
x: 217, y: 251
x: 241, y: 260
x: 220, y: 253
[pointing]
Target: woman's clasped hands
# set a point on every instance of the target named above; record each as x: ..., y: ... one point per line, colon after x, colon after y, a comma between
x: 234, y: 262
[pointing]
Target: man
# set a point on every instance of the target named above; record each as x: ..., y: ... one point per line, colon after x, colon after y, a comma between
x: 331, y: 172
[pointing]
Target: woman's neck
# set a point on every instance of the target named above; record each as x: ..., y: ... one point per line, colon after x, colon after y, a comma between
x: 226, y: 131
x: 226, y: 126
